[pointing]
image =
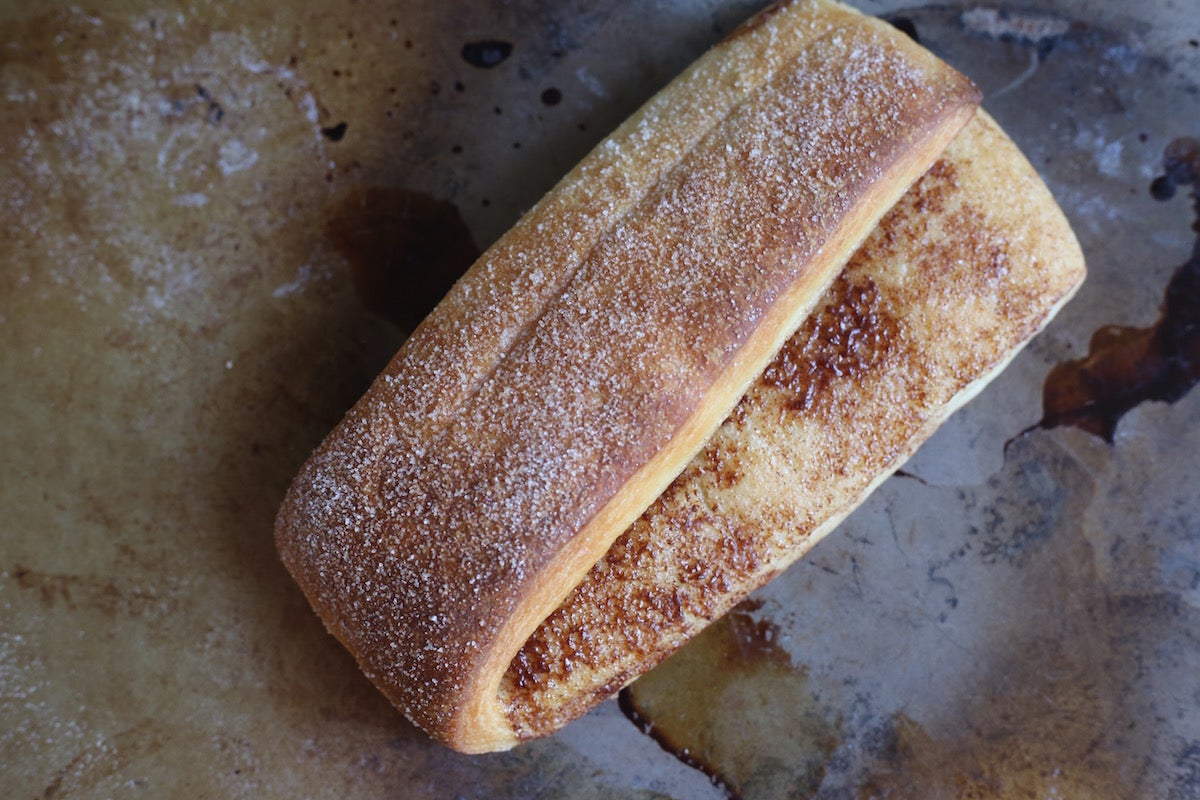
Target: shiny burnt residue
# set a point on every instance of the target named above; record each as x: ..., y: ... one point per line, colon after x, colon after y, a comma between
x: 405, y: 249
x: 1126, y: 366
x: 696, y: 704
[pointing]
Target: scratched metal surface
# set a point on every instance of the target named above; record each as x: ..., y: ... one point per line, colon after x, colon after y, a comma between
x: 178, y: 327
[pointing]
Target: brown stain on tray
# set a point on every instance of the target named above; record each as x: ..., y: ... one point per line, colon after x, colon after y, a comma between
x: 851, y: 335
x: 1126, y: 366
x: 697, y: 705
x: 406, y: 249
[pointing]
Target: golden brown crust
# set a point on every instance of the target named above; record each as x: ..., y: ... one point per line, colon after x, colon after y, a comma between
x: 958, y: 276
x: 585, y: 358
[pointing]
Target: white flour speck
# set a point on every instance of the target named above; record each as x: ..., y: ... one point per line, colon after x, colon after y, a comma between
x: 236, y: 157
x: 192, y: 200
x: 309, y: 106
x: 303, y: 275
x: 590, y: 82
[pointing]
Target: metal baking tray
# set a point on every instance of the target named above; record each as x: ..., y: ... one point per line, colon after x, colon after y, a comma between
x: 218, y: 220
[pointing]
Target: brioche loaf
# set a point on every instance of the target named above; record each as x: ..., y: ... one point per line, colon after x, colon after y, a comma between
x: 588, y: 355
x: 963, y: 271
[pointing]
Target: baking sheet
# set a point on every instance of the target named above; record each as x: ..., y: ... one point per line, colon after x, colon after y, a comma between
x: 198, y: 204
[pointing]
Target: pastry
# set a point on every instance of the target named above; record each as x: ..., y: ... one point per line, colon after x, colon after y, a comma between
x: 578, y: 367
x: 973, y: 261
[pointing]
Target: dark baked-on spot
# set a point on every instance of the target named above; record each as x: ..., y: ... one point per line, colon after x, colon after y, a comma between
x: 335, y: 133
x: 405, y: 249
x: 487, y: 53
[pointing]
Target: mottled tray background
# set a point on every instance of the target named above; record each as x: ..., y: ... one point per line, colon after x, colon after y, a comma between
x: 182, y: 197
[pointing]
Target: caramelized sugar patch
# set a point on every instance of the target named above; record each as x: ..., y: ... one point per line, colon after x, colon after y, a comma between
x: 851, y: 334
